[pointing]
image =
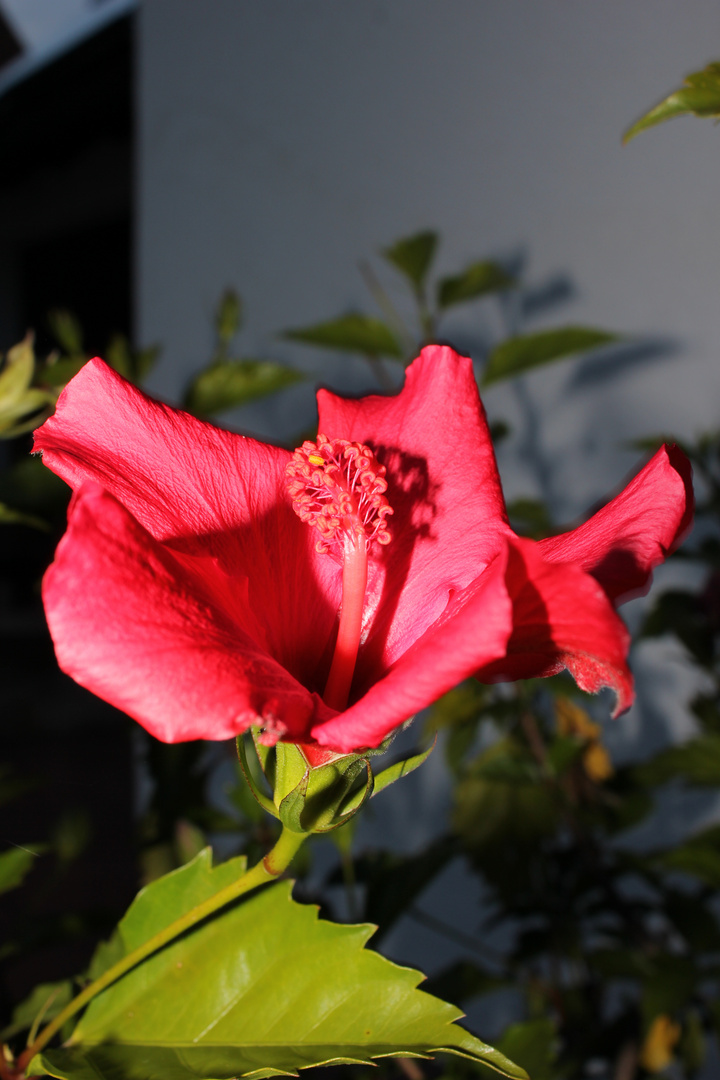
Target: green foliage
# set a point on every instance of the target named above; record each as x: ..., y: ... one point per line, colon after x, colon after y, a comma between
x: 228, y: 317
x: 230, y: 383
x: 42, y: 1005
x: 598, y: 942
x: 133, y: 364
x: 478, y: 279
x: 530, y: 517
x: 533, y: 1043
x: 22, y: 405
x: 699, y: 95
x: 413, y: 257
x: 15, y: 863
x: 520, y: 354
x: 696, y: 761
x: 67, y: 331
x: 265, y: 987
x: 352, y: 333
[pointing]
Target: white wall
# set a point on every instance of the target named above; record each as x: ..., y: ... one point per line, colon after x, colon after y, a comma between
x: 280, y: 141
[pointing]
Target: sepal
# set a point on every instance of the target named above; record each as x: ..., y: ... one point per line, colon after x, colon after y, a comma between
x: 315, y: 790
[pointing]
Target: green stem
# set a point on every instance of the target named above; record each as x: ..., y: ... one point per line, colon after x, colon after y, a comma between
x: 269, y: 868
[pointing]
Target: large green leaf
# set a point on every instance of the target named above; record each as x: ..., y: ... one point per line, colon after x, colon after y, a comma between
x: 261, y: 989
x: 520, y: 354
x: 475, y: 281
x: 413, y: 255
x: 700, y: 95
x: 350, y: 333
x: 230, y: 383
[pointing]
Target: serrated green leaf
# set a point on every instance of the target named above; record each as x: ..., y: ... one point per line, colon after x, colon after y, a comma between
x: 475, y: 281
x: 413, y: 256
x: 228, y: 384
x: 350, y: 333
x: 15, y: 863
x: 699, y: 95
x: 520, y: 354
x: 263, y: 988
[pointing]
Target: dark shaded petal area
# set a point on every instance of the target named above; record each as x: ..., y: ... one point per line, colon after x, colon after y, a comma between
x: 561, y: 619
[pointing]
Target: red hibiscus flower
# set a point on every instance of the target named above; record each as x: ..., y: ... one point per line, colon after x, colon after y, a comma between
x: 208, y: 582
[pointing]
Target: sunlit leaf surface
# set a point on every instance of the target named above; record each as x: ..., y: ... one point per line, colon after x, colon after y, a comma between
x: 265, y: 988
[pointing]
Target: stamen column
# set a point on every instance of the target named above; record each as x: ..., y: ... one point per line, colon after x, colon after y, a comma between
x: 339, y: 488
x: 355, y: 568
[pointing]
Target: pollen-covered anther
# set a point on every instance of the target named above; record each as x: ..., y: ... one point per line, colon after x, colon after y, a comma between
x: 339, y: 487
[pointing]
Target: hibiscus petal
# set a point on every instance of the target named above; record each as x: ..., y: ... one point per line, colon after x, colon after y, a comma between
x: 134, y: 623
x: 180, y: 477
x: 449, y: 518
x: 561, y: 619
x: 204, y: 491
x: 472, y: 631
x: 622, y: 543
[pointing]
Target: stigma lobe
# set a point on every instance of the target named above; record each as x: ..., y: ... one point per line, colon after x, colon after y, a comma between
x: 339, y: 487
